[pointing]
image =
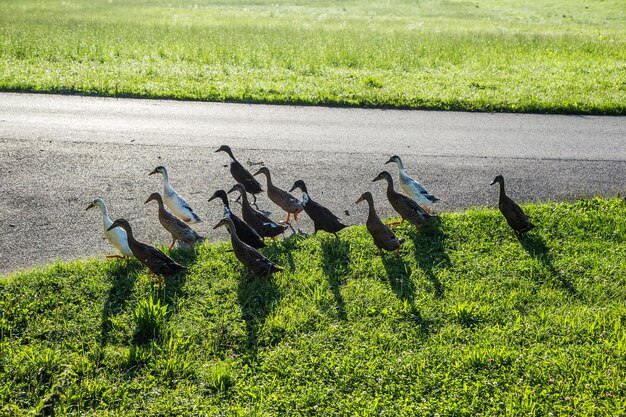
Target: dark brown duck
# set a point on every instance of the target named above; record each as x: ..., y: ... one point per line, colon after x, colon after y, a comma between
x: 246, y: 233
x: 262, y: 224
x: 407, y: 208
x: 383, y: 236
x: 514, y: 215
x: 323, y: 219
x: 241, y: 174
x: 246, y: 254
x: 177, y: 228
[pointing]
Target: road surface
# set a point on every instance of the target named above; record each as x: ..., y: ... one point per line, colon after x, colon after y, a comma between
x: 58, y: 153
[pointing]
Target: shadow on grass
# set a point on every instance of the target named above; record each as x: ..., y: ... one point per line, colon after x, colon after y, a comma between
x: 257, y: 297
x: 536, y: 248
x: 123, y: 274
x: 335, y: 260
x: 430, y: 252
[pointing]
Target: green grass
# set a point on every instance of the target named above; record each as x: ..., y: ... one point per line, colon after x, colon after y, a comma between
x: 533, y: 56
x: 471, y: 319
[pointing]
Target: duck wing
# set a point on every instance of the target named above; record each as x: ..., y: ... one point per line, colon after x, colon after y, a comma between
x: 284, y: 200
x: 158, y: 262
x: 254, y: 260
x: 382, y: 235
x: 246, y: 233
x: 514, y: 215
x: 242, y: 175
x: 409, y: 209
x: 323, y: 218
x: 415, y: 190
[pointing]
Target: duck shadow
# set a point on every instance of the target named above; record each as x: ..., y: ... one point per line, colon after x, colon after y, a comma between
x: 123, y: 274
x: 536, y: 247
x: 257, y: 297
x: 399, y: 277
x: 430, y: 252
x: 335, y: 261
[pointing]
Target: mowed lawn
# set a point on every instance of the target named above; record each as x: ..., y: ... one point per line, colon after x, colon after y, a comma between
x: 470, y: 320
x: 532, y: 56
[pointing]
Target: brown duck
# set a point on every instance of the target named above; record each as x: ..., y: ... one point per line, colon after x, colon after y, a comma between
x: 177, y: 228
x: 281, y: 197
x: 245, y: 232
x: 262, y: 224
x: 383, y: 236
x: 246, y: 254
x: 157, y: 262
x: 513, y: 213
x: 323, y: 219
x: 241, y: 174
x: 407, y: 208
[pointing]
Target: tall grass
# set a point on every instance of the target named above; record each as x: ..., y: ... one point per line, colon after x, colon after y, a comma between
x: 539, y: 56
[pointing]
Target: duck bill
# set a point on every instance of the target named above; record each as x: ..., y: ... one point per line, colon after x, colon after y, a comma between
x: 359, y: 200
x: 219, y: 224
x: 154, y: 172
x: 293, y: 188
x: 113, y: 226
x: 390, y: 161
x: 256, y: 173
x: 213, y: 197
x: 90, y: 206
x: 148, y: 200
x: 232, y: 190
x: 493, y: 182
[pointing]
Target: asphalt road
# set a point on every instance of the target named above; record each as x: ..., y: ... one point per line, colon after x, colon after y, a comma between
x: 58, y: 153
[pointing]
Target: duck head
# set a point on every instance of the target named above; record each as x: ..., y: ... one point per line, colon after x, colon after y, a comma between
x: 154, y: 197
x: 123, y: 223
x: 238, y: 187
x: 299, y: 184
x: 224, y: 222
x: 220, y: 194
x: 262, y: 170
x: 499, y: 179
x: 395, y: 159
x: 366, y: 196
x: 225, y: 148
x: 384, y: 175
x: 159, y: 170
x: 95, y: 203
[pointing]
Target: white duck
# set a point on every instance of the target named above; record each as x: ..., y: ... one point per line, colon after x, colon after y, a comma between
x: 178, y: 205
x: 413, y: 188
x: 116, y: 236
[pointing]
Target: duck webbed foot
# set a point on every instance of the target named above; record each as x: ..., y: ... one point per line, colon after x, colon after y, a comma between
x: 115, y: 257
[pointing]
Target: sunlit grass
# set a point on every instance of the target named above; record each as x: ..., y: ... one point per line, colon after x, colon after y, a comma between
x: 534, y: 56
x: 470, y: 319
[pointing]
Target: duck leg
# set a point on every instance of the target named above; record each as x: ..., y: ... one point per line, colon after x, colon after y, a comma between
x: 395, y: 223
x: 115, y: 257
x: 173, y: 241
x: 288, y: 217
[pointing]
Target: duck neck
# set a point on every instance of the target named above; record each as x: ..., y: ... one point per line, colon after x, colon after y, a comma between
x: 390, y: 189
x: 129, y: 233
x: 226, y: 207
x: 371, y: 214
x: 159, y: 201
x: 268, y: 177
x: 244, y: 198
x: 166, y: 181
x: 400, y: 164
x: 502, y: 193
x: 106, y: 220
x: 233, y: 233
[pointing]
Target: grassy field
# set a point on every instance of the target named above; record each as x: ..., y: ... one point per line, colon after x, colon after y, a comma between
x: 469, y: 320
x: 534, y: 56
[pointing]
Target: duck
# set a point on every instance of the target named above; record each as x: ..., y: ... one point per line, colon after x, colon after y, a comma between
x: 246, y: 254
x: 262, y: 224
x: 117, y: 236
x: 406, y: 207
x: 177, y: 228
x: 514, y: 215
x: 413, y: 188
x: 177, y: 204
x: 323, y: 219
x: 241, y: 174
x: 281, y: 197
x: 246, y: 233
x: 383, y: 236
x: 157, y: 262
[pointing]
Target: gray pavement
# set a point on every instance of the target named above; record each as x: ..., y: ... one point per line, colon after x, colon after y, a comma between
x: 57, y: 153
